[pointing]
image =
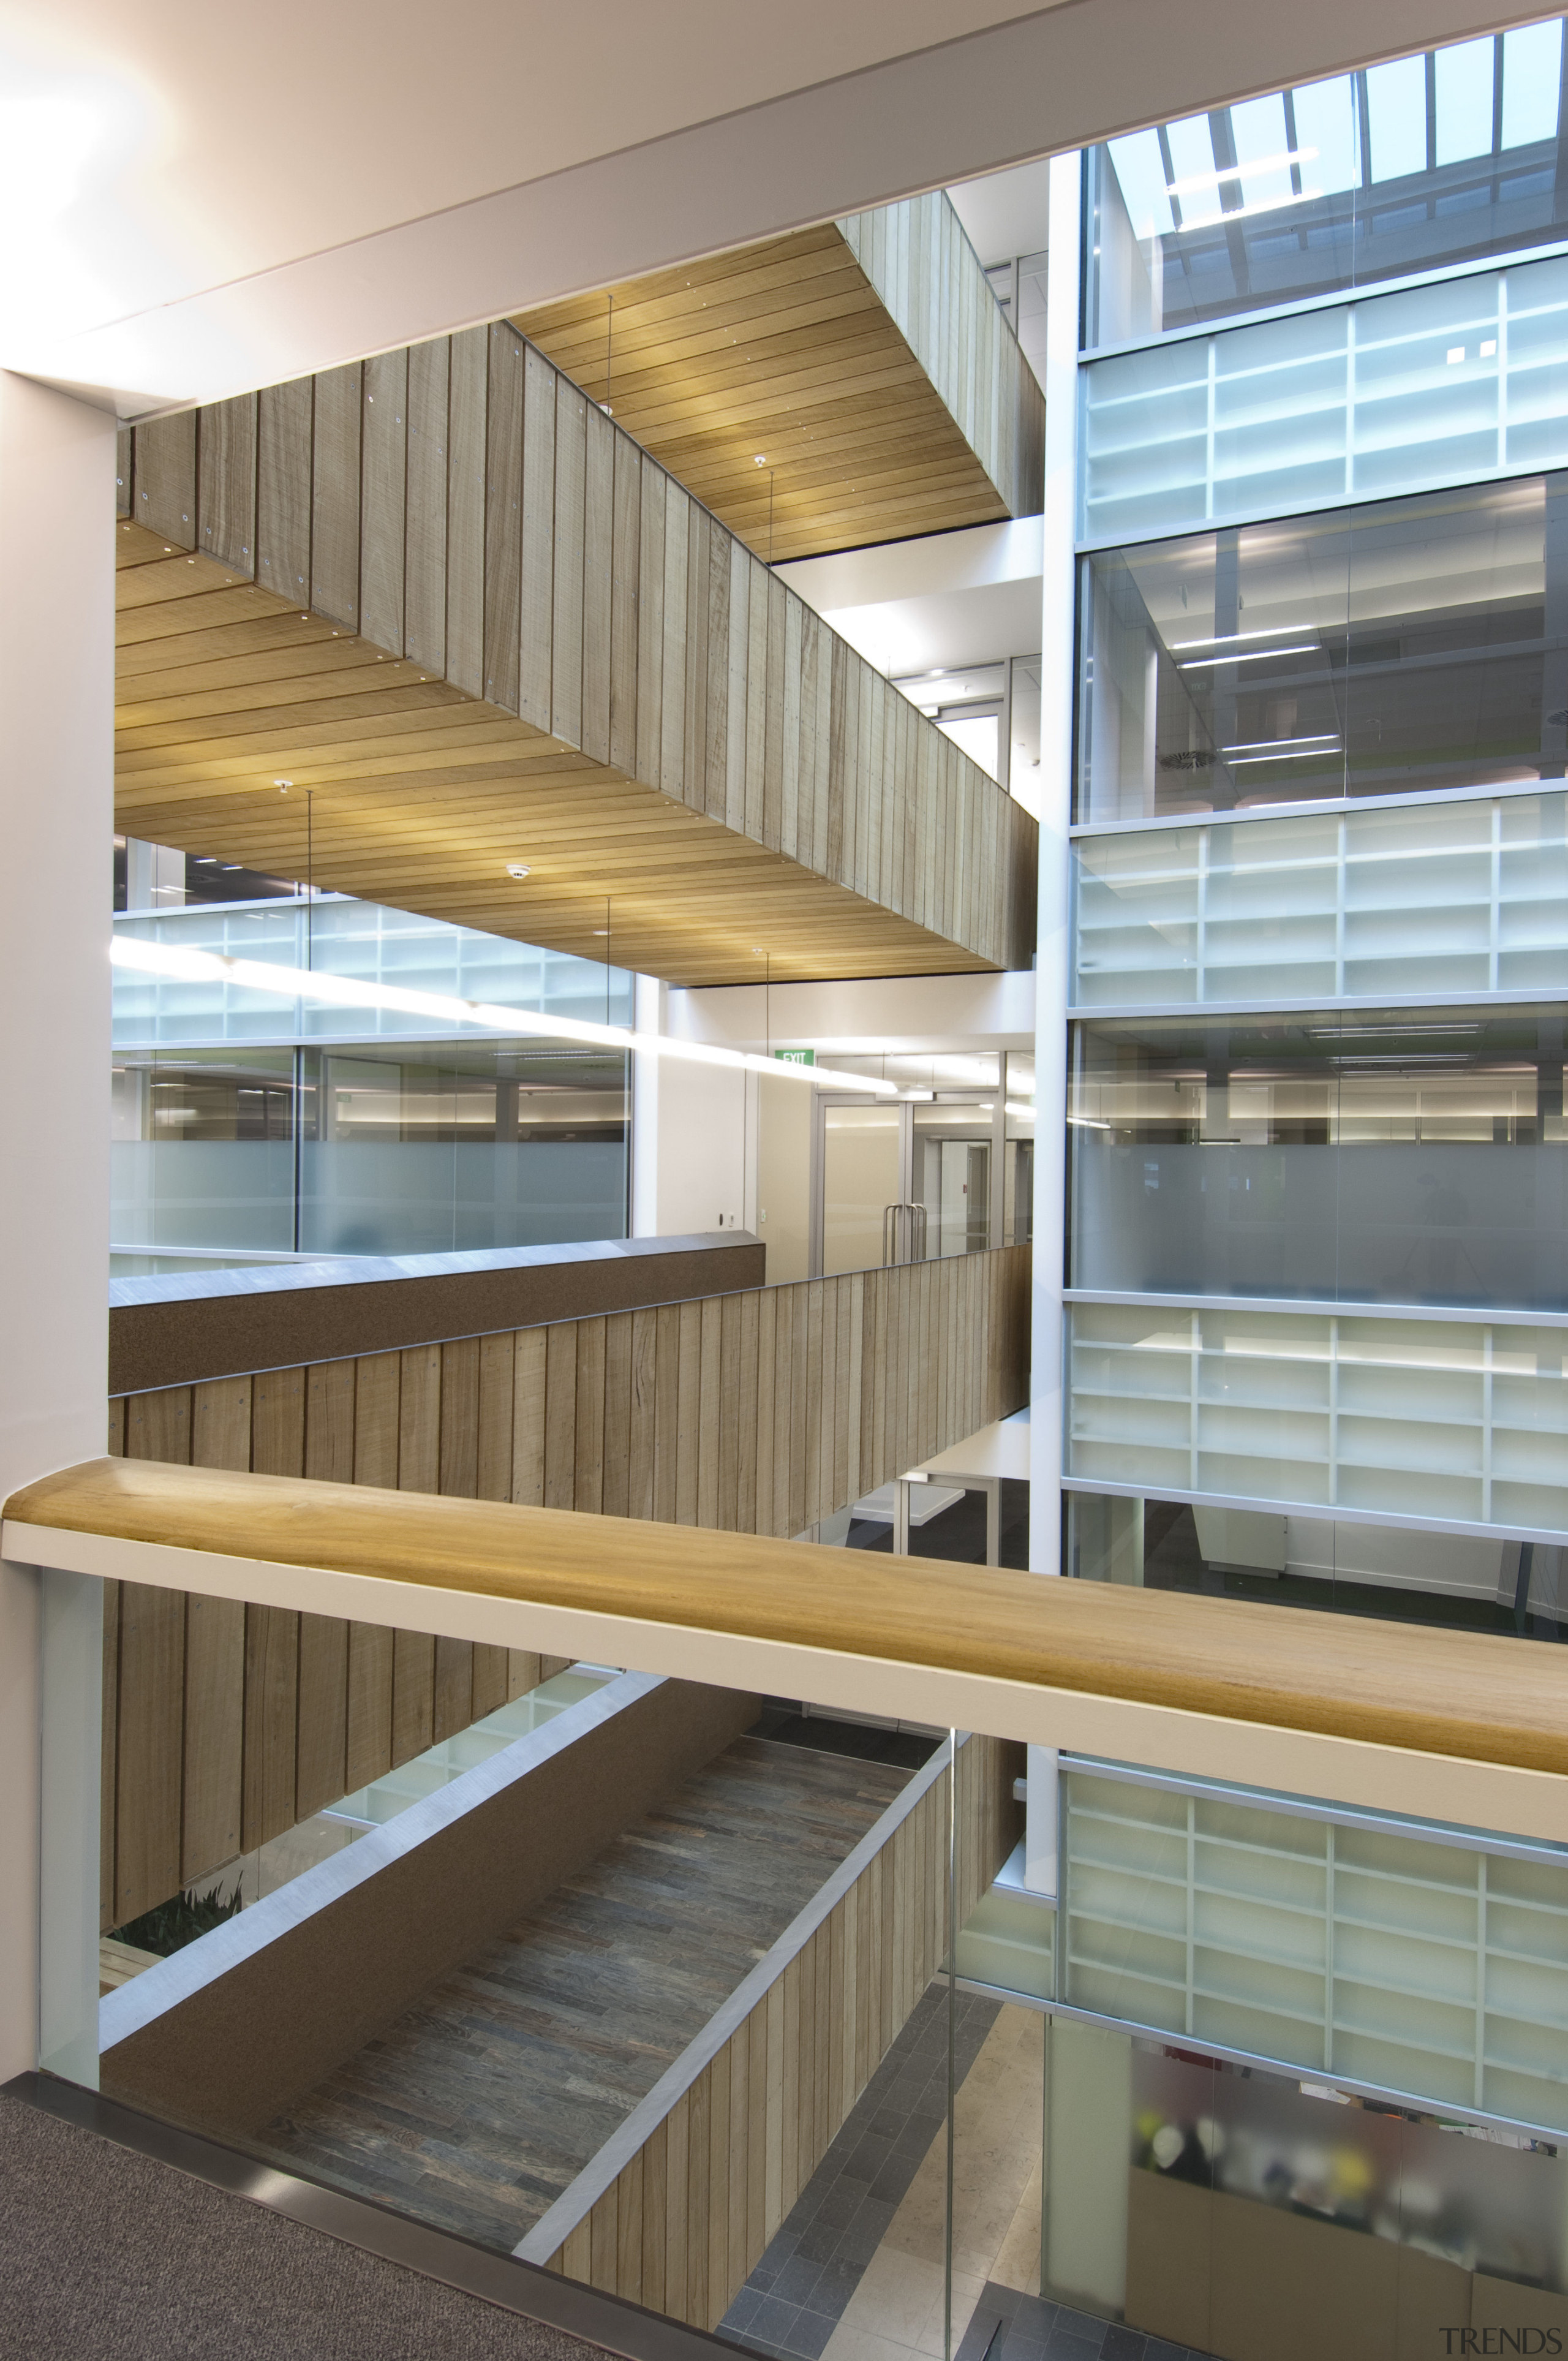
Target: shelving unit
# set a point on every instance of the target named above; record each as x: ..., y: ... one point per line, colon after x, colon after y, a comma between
x: 1391, y: 1958
x: 1450, y: 383
x: 1453, y: 1422
x: 1449, y: 897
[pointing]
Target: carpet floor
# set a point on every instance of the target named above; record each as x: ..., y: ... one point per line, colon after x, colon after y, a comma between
x: 109, y: 2256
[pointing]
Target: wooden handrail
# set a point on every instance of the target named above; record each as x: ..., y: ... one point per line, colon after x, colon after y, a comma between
x: 1476, y: 1698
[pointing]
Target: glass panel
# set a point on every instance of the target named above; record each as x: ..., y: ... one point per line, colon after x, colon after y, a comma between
x: 952, y: 1175
x: 202, y: 1150
x: 1391, y: 1572
x: 1402, y: 647
x: 341, y: 937
x: 1373, y: 1156
x: 1445, y: 1421
x: 1454, y: 896
x: 1435, y: 385
x: 1413, y: 166
x: 861, y: 1176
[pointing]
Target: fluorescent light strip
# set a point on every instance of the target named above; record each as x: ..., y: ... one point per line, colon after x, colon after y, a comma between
x: 175, y: 966
x: 1326, y: 741
x: 1249, y: 656
x: 1233, y: 639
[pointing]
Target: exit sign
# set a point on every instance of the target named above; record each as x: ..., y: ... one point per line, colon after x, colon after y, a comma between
x: 796, y: 1056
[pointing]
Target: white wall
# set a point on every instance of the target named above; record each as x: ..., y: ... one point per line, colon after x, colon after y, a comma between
x: 897, y: 1013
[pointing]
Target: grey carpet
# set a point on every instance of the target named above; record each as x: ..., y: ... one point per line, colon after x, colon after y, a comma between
x: 106, y: 2253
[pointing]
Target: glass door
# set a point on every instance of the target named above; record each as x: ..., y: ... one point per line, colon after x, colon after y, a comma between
x: 862, y: 1165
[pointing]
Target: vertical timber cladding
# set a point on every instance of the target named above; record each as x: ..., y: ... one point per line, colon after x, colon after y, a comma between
x: 687, y: 2218
x: 447, y: 593
x: 761, y: 1411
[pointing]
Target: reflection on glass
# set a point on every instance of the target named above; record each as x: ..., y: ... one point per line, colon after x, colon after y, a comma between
x: 1373, y: 1158
x: 1391, y: 1572
x: 1412, y: 166
x: 1383, y: 650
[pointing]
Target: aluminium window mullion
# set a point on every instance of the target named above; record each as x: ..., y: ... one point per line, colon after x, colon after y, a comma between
x: 1342, y: 856
x: 1200, y: 947
x: 1480, y: 1980
x: 1191, y: 1906
x: 1329, y: 1935
x: 1494, y: 931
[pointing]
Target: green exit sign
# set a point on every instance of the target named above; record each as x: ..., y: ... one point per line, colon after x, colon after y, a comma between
x: 796, y: 1056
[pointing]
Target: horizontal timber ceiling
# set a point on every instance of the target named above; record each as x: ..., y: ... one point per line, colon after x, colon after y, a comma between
x: 450, y: 603
x: 872, y: 372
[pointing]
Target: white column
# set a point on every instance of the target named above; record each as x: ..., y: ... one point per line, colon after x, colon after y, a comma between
x: 1053, y: 952
x: 56, y: 615
x: 648, y: 1000
x: 1056, y: 807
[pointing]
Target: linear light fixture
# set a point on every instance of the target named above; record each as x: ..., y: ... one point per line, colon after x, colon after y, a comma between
x: 175, y: 966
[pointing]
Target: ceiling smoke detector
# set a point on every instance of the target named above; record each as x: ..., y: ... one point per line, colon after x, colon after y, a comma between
x: 517, y: 869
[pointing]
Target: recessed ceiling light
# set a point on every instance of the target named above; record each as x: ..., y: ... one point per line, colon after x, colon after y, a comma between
x: 601, y: 930
x: 517, y: 868
x: 761, y: 460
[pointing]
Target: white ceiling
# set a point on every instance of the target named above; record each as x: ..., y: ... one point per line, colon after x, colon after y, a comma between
x: 199, y: 199
x: 1005, y: 214
x: 945, y: 600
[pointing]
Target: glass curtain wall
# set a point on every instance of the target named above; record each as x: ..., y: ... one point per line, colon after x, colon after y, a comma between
x: 1421, y: 164
x: 1393, y: 648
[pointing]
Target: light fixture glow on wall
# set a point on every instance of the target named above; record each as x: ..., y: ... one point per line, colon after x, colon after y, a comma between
x: 170, y: 964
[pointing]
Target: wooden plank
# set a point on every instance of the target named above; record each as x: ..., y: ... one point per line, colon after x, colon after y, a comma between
x: 149, y: 1747
x: 651, y: 625
x: 493, y: 1417
x: 419, y: 1420
x: 688, y: 1413
x: 598, y: 539
x: 489, y: 1690
x: 467, y: 416
x: 384, y: 492
x: 165, y: 496
x: 157, y: 1425
x: 413, y: 1694
x: 226, y: 482
x: 529, y: 1371
x: 322, y: 1772
x: 454, y: 1692
x: 616, y: 1444
x: 271, y: 1720
x: 370, y: 1728
x: 330, y: 1413
x: 667, y: 1412
x: 214, y: 1731
x: 569, y: 536
x: 536, y: 592
x: 503, y: 519
x: 674, y: 601
x: 335, y: 495
x: 588, y: 1442
x: 561, y: 1415
x: 376, y: 1396
x: 424, y: 554
x: 625, y: 574
x: 220, y: 1423
x: 643, y: 1422
x: 458, y: 1384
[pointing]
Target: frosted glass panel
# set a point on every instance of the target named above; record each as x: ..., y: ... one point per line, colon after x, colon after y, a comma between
x: 1345, y: 1947
x: 1422, y: 163
x: 1456, y: 897
x: 1373, y: 1156
x: 1399, y: 1417
x: 1439, y: 384
x: 341, y: 937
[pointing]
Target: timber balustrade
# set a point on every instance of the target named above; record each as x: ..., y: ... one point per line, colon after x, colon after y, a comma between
x: 677, y: 2208
x: 760, y: 1412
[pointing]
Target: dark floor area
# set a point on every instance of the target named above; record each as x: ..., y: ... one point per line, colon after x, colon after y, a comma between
x: 787, y: 1725
x: 1008, y: 2327
x: 797, y: 2296
x: 1172, y: 1561
x: 958, y: 1533
x: 480, y: 2107
x: 109, y: 2256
